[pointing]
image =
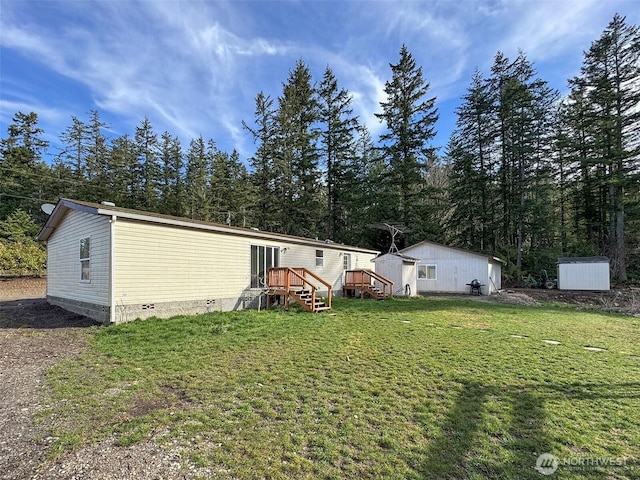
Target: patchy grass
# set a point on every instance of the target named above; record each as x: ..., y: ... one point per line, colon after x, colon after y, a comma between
x: 433, y: 388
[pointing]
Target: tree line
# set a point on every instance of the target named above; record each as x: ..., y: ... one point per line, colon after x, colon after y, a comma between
x: 527, y: 175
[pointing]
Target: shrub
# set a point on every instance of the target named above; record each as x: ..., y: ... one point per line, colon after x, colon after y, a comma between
x: 22, y: 258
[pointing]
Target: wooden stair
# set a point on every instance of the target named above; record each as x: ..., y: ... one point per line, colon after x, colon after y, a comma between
x: 300, y: 284
x: 305, y: 300
x: 368, y: 283
x: 374, y: 292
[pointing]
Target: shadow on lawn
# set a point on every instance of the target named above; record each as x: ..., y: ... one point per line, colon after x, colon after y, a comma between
x: 452, y: 456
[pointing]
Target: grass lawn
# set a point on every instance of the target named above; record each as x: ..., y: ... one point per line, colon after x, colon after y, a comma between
x: 407, y: 389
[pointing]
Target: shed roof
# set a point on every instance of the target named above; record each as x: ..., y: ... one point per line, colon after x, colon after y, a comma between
x: 405, y: 258
x: 64, y: 205
x: 491, y: 258
x: 583, y: 260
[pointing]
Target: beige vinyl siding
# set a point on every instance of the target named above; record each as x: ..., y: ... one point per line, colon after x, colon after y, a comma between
x: 160, y: 263
x: 63, y: 259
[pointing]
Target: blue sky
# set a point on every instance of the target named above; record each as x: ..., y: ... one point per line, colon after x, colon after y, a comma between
x: 194, y: 68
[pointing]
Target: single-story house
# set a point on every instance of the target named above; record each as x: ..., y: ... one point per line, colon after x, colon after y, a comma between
x: 583, y: 273
x: 441, y: 268
x: 401, y: 270
x: 116, y: 264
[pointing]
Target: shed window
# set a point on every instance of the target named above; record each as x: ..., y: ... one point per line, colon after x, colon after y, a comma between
x: 85, y: 259
x: 319, y: 258
x: 427, y: 272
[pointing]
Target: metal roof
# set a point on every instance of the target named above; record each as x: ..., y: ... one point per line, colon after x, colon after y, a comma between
x: 583, y: 260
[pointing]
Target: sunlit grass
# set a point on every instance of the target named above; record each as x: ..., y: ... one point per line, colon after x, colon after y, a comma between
x: 430, y: 388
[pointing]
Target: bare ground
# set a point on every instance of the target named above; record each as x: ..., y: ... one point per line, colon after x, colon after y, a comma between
x: 34, y: 336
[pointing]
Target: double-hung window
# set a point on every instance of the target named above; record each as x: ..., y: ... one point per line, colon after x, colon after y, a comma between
x: 85, y: 259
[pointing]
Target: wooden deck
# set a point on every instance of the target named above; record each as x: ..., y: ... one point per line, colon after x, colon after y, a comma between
x: 285, y: 283
x: 368, y: 283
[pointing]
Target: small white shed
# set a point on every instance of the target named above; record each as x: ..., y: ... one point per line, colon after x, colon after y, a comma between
x: 401, y: 269
x: 583, y: 273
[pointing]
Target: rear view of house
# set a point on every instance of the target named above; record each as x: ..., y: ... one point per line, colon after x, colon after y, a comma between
x: 115, y: 265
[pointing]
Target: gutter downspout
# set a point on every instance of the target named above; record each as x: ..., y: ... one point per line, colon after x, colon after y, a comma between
x: 112, y: 267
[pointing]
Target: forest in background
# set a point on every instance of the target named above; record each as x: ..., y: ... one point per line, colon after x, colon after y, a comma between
x: 527, y: 175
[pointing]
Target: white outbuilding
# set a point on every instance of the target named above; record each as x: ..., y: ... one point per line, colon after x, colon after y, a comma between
x: 401, y: 270
x: 441, y: 268
x: 583, y: 273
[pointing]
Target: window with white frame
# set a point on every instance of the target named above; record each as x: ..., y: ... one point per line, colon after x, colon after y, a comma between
x: 85, y: 259
x: 427, y: 272
x: 346, y: 259
x: 319, y: 258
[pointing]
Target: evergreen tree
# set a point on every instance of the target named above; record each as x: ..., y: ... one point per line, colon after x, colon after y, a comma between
x: 337, y: 148
x: 196, y: 180
x: 267, y: 203
x: 122, y: 183
x: 23, y: 174
x: 610, y: 77
x: 296, y: 165
x: 410, y: 119
x: 148, y: 170
x: 471, y: 155
x: 97, y: 152
x: 172, y: 189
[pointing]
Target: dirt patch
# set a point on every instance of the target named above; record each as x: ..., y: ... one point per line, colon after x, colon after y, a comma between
x: 34, y: 336
x: 19, y: 288
x: 624, y: 300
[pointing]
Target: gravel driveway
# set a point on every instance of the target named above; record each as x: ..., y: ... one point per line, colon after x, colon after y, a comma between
x: 34, y: 336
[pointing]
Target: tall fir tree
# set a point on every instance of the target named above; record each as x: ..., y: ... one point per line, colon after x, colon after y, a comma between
x: 148, y: 170
x: 23, y: 174
x: 610, y: 77
x: 410, y: 119
x: 337, y: 149
x: 298, y: 182
x: 263, y: 163
x: 197, y: 180
x: 172, y: 199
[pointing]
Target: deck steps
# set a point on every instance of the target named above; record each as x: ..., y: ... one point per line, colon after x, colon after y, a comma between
x: 300, y: 285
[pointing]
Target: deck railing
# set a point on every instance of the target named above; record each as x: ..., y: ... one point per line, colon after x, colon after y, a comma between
x: 366, y: 278
x: 288, y: 278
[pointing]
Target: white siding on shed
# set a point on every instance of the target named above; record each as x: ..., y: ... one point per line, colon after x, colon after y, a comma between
x: 454, y: 268
x: 583, y: 276
x: 63, y: 259
x: 401, y: 271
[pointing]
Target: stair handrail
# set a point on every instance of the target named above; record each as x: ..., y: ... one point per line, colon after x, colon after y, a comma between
x: 384, y: 281
x: 304, y: 279
x: 369, y: 275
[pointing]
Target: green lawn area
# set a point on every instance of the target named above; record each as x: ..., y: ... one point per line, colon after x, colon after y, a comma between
x: 425, y: 388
